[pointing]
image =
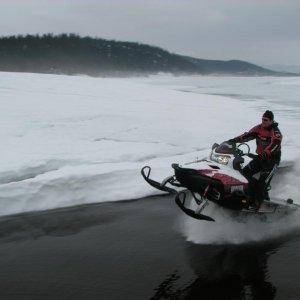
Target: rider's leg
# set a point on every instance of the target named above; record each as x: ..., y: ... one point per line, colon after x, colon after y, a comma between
x: 265, y: 180
x: 254, y: 167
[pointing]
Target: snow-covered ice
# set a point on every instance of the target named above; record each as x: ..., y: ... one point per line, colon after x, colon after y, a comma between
x: 68, y: 140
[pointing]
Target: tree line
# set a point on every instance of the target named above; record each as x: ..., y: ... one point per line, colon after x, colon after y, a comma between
x: 73, y: 54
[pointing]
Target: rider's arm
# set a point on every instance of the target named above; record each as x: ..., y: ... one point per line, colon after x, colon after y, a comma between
x: 247, y: 136
x: 275, y: 142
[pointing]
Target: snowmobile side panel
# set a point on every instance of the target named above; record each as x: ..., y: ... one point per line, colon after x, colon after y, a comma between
x: 199, y: 183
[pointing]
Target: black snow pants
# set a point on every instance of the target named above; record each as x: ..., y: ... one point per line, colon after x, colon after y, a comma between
x: 258, y: 188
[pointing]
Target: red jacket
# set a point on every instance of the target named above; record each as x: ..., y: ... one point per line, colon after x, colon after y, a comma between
x: 267, y: 139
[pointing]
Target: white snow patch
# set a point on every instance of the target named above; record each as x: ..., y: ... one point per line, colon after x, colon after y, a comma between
x: 68, y: 140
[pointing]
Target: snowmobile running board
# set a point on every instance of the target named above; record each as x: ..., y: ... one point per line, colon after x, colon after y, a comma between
x: 180, y: 197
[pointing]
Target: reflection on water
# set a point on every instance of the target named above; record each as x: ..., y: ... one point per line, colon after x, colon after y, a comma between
x: 58, y: 222
x: 223, y: 272
x: 234, y: 272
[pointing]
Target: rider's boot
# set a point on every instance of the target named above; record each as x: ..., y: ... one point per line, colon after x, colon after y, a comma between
x: 266, y: 195
x: 255, y: 204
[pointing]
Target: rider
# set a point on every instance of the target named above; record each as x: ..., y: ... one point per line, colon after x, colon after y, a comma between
x: 268, y: 140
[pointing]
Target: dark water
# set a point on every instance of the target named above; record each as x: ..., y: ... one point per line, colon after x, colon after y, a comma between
x: 134, y: 250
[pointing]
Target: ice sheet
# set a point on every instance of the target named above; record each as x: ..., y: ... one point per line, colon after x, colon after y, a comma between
x: 68, y: 140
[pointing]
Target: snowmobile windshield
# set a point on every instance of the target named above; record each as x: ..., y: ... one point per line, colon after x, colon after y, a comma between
x: 225, y: 148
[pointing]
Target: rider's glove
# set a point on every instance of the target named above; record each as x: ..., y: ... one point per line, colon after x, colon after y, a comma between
x: 231, y: 141
x: 265, y: 155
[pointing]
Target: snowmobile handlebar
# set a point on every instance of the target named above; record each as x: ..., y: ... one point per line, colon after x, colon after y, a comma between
x: 251, y: 155
x: 241, y: 153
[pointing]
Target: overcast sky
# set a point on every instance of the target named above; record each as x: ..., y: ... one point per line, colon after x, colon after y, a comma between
x: 260, y: 31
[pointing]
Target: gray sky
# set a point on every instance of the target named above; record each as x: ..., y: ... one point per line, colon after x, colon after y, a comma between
x: 260, y: 31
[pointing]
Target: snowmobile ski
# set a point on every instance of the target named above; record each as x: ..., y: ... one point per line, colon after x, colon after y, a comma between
x: 180, y: 201
x: 160, y: 186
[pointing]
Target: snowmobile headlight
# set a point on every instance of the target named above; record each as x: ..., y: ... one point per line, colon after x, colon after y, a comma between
x: 221, y: 159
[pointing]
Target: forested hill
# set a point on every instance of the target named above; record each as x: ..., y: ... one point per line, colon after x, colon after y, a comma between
x: 72, y: 54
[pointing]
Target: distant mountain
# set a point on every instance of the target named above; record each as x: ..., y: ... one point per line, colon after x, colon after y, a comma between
x: 72, y: 54
x: 285, y: 68
x: 237, y: 67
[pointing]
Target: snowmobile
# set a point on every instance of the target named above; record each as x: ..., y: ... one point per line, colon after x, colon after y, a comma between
x: 218, y: 178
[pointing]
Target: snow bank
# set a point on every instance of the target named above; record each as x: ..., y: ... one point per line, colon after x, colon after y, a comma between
x: 68, y: 140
